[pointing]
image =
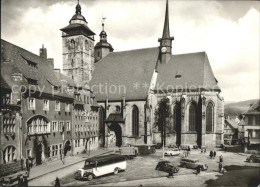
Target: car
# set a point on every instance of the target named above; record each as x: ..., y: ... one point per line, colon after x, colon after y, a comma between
x: 192, y: 163
x: 166, y: 166
x: 253, y: 158
x: 158, y: 146
x: 184, y: 147
x: 172, y: 146
x: 172, y: 152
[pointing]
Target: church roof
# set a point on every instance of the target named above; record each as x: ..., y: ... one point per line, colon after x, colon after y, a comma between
x: 134, y: 69
x: 191, y: 71
x: 104, y: 45
x: 129, y: 72
x: 21, y: 61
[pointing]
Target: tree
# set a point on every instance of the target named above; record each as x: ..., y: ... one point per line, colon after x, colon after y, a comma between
x: 163, y: 117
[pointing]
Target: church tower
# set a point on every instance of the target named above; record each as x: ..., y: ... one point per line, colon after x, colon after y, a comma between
x: 166, y: 40
x: 78, y: 48
x: 102, y: 48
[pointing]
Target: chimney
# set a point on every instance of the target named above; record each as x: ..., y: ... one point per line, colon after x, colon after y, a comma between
x: 43, y: 52
x: 50, y: 62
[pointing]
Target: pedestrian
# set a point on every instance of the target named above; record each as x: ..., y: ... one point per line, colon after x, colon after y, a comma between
x: 214, y: 154
x: 188, y: 150
x: 220, y: 166
x: 211, y: 154
x: 27, y: 166
x: 57, y: 182
x: 225, y: 149
x: 30, y: 162
x: 221, y: 158
x: 171, y: 172
x: 204, y: 150
x: 198, y: 170
x: 201, y: 150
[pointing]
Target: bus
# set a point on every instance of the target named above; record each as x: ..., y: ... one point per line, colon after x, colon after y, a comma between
x: 101, y: 165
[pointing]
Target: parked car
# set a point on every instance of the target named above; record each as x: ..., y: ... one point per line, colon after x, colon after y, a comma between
x: 192, y: 163
x: 172, y: 152
x: 184, y: 147
x: 166, y: 166
x: 158, y: 146
x: 172, y: 146
x: 253, y: 158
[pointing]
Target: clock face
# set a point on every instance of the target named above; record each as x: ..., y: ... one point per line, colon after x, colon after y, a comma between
x: 164, y: 49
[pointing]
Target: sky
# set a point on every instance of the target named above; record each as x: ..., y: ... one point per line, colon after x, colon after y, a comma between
x: 228, y: 31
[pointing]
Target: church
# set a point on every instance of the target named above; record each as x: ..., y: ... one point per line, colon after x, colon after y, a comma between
x: 128, y: 85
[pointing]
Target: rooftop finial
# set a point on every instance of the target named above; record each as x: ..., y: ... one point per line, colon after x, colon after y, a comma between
x: 78, y: 8
x: 103, y: 22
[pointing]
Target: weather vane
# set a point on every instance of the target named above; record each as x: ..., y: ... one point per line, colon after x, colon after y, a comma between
x: 103, y: 21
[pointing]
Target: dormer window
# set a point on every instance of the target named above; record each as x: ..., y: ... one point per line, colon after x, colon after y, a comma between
x: 32, y: 81
x: 177, y: 76
x: 30, y: 63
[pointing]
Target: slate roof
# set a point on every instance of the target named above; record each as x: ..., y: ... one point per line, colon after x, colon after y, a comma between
x: 137, y: 66
x: 18, y: 64
x: 232, y: 123
x: 254, y: 109
x: 194, y: 69
x: 77, y: 26
x: 122, y: 70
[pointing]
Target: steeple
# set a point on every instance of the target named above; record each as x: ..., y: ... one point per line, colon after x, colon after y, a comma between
x: 166, y: 29
x: 102, y: 48
x: 166, y: 40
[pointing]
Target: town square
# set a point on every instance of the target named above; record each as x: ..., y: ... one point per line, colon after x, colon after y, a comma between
x: 129, y: 93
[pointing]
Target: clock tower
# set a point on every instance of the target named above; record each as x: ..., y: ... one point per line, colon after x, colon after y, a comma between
x: 78, y: 48
x: 166, y: 40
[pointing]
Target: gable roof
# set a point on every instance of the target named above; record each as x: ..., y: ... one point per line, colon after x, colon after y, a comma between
x: 232, y: 123
x: 254, y: 109
x: 125, y: 73
x: 190, y: 71
x: 18, y: 64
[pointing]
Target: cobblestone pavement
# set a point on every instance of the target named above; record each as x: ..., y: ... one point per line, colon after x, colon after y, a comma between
x: 143, y: 167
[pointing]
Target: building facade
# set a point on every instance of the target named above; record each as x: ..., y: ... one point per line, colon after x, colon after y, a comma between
x: 230, y: 131
x: 45, y: 115
x: 249, y: 128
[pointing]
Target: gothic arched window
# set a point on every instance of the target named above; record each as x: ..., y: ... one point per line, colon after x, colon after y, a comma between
x: 209, y: 117
x: 135, y: 121
x: 192, y: 117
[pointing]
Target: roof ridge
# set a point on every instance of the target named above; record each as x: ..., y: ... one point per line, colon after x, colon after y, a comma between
x: 15, y: 45
x: 135, y: 49
x: 189, y: 53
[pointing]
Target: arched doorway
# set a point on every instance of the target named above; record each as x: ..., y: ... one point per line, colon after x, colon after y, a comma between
x: 118, y: 132
x: 38, y: 153
x: 67, y: 147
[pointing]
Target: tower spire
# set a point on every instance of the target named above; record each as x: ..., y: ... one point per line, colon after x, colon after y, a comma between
x: 166, y: 40
x: 78, y: 8
x: 166, y: 29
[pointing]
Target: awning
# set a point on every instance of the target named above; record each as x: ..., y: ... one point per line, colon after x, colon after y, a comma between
x: 115, y: 118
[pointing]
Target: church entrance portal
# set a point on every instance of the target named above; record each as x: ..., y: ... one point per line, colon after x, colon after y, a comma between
x: 118, y: 133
